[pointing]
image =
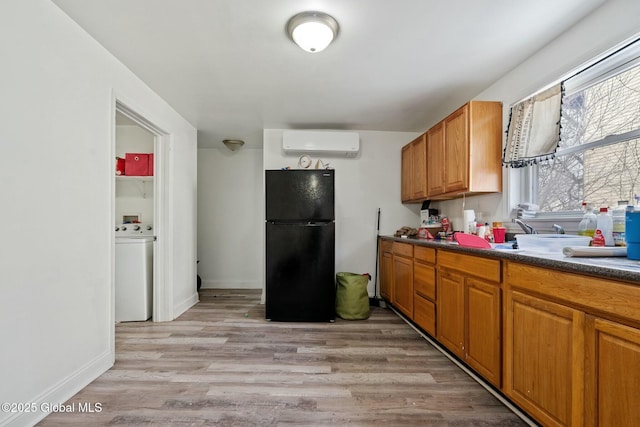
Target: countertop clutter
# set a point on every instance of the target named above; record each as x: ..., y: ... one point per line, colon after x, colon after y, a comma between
x: 609, y: 267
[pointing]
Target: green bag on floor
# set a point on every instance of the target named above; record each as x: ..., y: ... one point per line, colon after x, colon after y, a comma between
x: 352, y: 299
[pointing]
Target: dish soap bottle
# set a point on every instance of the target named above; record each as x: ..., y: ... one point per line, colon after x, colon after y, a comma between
x: 587, y: 226
x: 604, y: 229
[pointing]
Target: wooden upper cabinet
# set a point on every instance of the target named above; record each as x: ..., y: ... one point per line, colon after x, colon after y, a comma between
x: 464, y: 151
x: 456, y: 150
x: 435, y: 160
x: 406, y: 192
x: 414, y: 170
x: 419, y: 171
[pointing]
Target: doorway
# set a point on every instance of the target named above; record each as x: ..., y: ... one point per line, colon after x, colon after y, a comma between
x: 147, y: 199
x: 134, y: 213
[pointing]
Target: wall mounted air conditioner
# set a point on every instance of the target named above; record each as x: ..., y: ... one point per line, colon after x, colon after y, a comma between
x: 321, y: 142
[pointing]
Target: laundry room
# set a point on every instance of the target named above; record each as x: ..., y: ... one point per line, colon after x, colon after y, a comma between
x: 134, y: 187
x: 134, y: 215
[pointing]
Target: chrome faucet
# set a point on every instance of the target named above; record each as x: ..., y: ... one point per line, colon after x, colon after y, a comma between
x: 559, y: 229
x: 525, y: 227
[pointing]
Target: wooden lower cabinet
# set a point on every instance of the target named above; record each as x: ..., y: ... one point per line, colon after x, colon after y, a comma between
x: 564, y: 347
x: 572, y: 347
x: 483, y: 326
x: 544, y: 363
x: 403, y: 284
x: 424, y: 314
x: 612, y: 388
x: 424, y: 289
x: 386, y: 270
x: 451, y: 311
x: 403, y: 277
x: 424, y: 279
x: 469, y: 312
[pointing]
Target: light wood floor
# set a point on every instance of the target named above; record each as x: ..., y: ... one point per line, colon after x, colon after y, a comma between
x: 222, y: 364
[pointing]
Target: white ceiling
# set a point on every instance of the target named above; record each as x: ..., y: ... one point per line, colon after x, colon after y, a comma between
x: 230, y: 69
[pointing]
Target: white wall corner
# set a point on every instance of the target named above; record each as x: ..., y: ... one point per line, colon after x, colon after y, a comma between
x: 62, y: 391
x: 185, y: 305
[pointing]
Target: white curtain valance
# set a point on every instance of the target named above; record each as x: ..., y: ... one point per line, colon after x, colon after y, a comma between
x: 533, y: 132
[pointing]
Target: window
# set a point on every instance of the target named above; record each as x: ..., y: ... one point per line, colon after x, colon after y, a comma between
x: 598, y: 159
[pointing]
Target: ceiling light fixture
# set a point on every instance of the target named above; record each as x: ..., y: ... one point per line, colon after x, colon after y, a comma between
x: 233, y: 144
x: 312, y: 31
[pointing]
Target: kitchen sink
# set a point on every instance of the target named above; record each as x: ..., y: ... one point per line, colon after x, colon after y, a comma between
x: 550, y: 242
x: 507, y: 246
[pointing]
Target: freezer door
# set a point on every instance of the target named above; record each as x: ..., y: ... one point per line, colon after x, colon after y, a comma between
x: 299, y: 195
x: 300, y: 272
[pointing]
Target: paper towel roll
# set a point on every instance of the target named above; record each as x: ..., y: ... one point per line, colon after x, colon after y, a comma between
x: 469, y: 218
x: 594, y: 251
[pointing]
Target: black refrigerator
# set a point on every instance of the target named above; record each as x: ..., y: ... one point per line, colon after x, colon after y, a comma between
x: 300, y: 245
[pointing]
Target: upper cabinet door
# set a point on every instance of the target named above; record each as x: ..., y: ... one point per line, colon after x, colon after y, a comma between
x: 406, y: 192
x: 456, y: 145
x: 463, y: 155
x: 419, y: 171
x: 435, y: 160
x: 414, y: 170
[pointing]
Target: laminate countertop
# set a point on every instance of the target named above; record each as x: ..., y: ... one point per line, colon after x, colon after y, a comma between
x: 619, y: 268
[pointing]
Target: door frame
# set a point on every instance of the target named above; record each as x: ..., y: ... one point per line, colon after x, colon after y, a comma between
x: 162, y: 290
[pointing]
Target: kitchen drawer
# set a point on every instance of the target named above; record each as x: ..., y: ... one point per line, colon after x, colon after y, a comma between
x: 386, y: 245
x: 613, y: 299
x: 484, y: 268
x: 424, y: 280
x: 403, y: 249
x: 428, y: 255
x: 424, y: 314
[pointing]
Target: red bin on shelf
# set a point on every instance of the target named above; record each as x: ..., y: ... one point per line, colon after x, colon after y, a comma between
x: 151, y: 164
x: 120, y: 162
x: 137, y: 164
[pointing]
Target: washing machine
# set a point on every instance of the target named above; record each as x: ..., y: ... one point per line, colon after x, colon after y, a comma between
x: 134, y: 272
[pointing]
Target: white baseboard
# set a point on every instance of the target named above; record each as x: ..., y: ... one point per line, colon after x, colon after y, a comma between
x: 62, y: 391
x: 185, y: 305
x: 231, y: 284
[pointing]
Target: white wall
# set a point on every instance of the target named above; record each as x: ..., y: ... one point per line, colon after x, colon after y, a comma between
x: 56, y: 184
x: 230, y: 217
x: 231, y: 206
x: 363, y: 184
x: 614, y: 22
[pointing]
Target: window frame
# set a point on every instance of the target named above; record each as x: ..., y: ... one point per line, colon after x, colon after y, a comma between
x: 615, y: 61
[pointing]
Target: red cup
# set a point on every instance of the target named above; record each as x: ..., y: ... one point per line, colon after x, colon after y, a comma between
x: 498, y: 234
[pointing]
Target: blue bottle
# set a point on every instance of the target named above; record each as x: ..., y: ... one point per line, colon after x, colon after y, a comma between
x: 632, y: 233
